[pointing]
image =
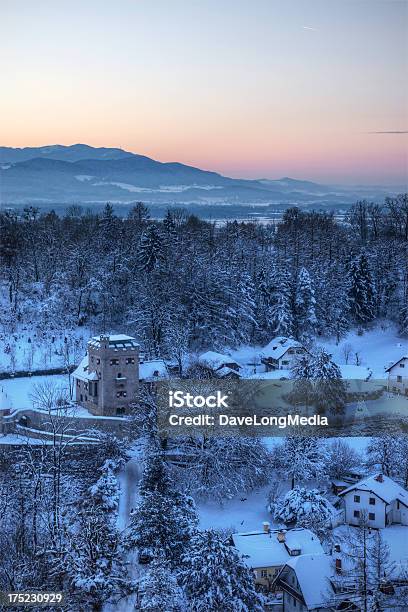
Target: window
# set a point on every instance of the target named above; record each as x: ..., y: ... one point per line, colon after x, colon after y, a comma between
x: 114, y: 361
x: 98, y: 361
x: 399, y: 378
x: 130, y: 360
x: 81, y: 397
x: 402, y: 365
x: 264, y: 574
x: 372, y: 501
x: 357, y: 499
x: 119, y: 374
x: 356, y: 514
x: 371, y: 516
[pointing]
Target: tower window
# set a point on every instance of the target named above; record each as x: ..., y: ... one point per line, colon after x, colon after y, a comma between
x: 114, y: 361
x: 130, y: 360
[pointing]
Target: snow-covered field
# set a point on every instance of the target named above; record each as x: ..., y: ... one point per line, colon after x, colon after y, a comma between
x: 375, y: 349
x: 30, y: 349
x: 18, y: 391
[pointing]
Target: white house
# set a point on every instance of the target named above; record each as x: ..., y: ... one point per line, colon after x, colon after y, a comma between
x: 381, y: 500
x: 308, y: 584
x: 280, y: 353
x: 267, y: 551
x: 223, y: 365
x: 398, y: 376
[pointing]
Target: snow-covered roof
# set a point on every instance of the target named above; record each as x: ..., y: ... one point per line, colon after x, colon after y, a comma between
x: 226, y: 371
x: 279, y: 346
x: 313, y: 572
x: 263, y: 549
x: 273, y: 375
x: 116, y: 341
x: 152, y: 370
x: 354, y: 372
x: 384, y: 487
x: 216, y: 360
x: 397, y: 362
x: 82, y: 372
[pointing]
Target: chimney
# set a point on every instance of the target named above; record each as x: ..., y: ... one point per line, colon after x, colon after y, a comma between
x: 266, y: 527
x: 338, y: 566
x: 379, y: 478
x: 281, y: 536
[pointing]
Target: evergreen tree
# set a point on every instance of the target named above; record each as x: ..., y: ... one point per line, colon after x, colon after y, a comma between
x: 160, y: 591
x: 305, y: 307
x: 361, y: 290
x: 163, y: 525
x: 151, y: 252
x: 329, y: 388
x: 156, y: 474
x: 281, y: 311
x: 215, y: 578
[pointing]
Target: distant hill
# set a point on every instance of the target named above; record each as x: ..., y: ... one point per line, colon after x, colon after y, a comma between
x: 64, y: 153
x: 83, y: 174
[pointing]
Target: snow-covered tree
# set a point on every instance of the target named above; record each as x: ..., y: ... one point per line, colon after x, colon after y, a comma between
x: 361, y: 290
x: 159, y: 590
x: 156, y: 474
x: 151, y: 252
x: 329, y: 388
x: 305, y: 307
x: 215, y: 578
x: 341, y: 457
x: 281, y: 311
x: 366, y: 565
x: 105, y: 492
x: 163, y: 525
x: 221, y: 467
x: 383, y: 452
x: 300, y: 504
x: 302, y: 458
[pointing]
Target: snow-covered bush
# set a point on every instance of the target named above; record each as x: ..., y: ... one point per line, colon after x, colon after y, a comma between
x: 299, y: 504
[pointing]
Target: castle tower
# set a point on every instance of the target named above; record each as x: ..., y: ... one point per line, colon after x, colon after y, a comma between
x: 107, y: 380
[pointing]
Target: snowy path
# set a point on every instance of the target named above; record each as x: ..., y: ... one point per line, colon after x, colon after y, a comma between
x: 129, y: 492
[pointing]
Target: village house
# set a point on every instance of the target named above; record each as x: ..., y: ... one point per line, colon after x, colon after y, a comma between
x: 398, y: 376
x: 308, y: 584
x: 378, y: 500
x: 267, y: 551
x: 222, y: 365
x: 280, y: 353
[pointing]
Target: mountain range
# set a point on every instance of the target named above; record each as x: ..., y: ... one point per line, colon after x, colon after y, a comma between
x: 82, y: 174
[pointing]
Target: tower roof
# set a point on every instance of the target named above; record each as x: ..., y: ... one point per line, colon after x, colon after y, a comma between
x: 116, y: 341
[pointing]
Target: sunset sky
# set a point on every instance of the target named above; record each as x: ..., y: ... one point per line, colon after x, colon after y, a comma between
x: 249, y: 88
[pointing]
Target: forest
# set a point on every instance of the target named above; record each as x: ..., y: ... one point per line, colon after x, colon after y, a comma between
x: 205, y: 284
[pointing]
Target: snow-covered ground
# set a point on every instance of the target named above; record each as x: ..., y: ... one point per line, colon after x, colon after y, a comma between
x: 243, y: 513
x: 376, y: 349
x: 19, y: 390
x: 31, y: 349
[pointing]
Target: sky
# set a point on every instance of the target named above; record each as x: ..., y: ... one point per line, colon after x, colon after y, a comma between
x: 312, y: 89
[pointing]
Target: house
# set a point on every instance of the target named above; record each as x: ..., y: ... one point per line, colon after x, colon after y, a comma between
x: 280, y: 353
x: 378, y: 499
x: 308, y: 584
x: 107, y: 379
x: 398, y: 376
x: 223, y: 365
x: 350, y: 476
x: 267, y: 551
x: 152, y: 371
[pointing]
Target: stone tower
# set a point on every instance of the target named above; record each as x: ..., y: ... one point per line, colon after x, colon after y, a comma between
x: 107, y: 380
